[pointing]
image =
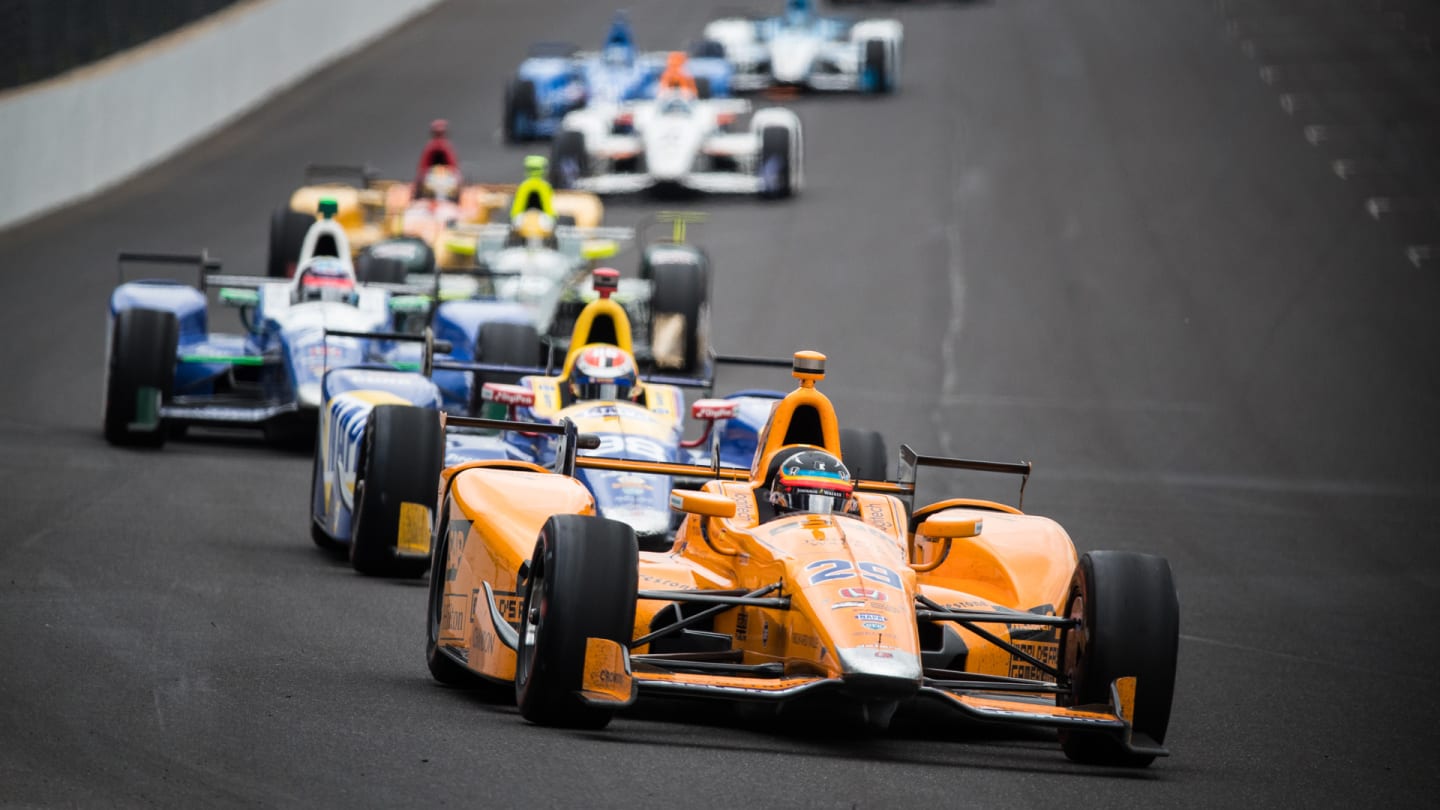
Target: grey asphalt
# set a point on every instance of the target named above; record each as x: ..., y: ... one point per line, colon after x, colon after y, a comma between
x: 1083, y: 234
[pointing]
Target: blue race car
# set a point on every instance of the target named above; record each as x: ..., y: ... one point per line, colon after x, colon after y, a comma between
x: 556, y: 79
x: 165, y: 369
x: 378, y: 458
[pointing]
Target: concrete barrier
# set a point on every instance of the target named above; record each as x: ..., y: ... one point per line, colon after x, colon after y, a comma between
x: 70, y: 137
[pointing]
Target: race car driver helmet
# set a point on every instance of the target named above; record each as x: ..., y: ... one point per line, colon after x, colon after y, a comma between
x: 441, y: 183
x: 810, y: 481
x: 439, y: 127
x: 602, y: 371
x: 326, y: 278
x: 797, y: 12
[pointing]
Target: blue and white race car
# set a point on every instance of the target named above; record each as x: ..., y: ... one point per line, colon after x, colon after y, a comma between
x: 378, y: 456
x: 556, y: 79
x: 804, y: 49
x: 165, y: 370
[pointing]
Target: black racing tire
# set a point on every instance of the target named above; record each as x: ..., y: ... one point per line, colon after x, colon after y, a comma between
x: 399, y: 466
x: 520, y: 100
x: 707, y: 49
x: 648, y: 263
x: 864, y: 454
x: 702, y: 87
x: 569, y: 160
x: 139, y: 376
x: 1129, y: 626
x: 581, y: 585
x: 775, y: 157
x: 511, y: 344
x: 421, y: 258
x: 681, y: 289
x: 877, y: 63
x: 287, y: 237
x: 370, y: 269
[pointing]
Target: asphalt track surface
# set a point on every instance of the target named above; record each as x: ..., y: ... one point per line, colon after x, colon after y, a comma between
x: 1082, y: 235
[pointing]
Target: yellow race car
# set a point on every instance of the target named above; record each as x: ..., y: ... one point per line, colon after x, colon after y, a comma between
x: 792, y: 582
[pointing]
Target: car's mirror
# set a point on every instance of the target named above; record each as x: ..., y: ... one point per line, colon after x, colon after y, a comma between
x: 948, y: 527
x: 712, y: 409
x: 707, y: 504
x: 233, y: 297
x: 504, y: 394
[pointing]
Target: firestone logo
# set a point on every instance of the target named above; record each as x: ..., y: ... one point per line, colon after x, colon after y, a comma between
x: 863, y: 593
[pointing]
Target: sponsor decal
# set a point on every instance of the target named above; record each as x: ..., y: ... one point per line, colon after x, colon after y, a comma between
x: 742, y: 625
x: 452, y: 616
x: 863, y: 593
x: 870, y: 617
x: 413, y: 534
x: 878, y: 516
x: 1047, y: 651
x: 744, y: 507
x: 874, y: 625
x: 827, y: 570
x: 883, y: 654
x: 839, y: 605
x: 510, y: 607
x: 805, y: 640
x: 764, y: 632
x: 713, y: 409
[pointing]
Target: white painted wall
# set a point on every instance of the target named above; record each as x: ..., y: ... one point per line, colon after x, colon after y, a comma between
x: 67, y: 138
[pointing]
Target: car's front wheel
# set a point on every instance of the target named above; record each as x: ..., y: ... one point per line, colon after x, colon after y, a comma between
x: 1128, y: 626
x: 581, y: 585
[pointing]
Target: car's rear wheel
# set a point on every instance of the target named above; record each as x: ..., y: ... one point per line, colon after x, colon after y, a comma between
x: 677, y: 316
x: 581, y: 585
x: 509, y: 344
x: 139, y: 375
x: 878, y: 72
x: 395, y: 491
x: 522, y: 108
x: 569, y: 160
x: 1129, y: 625
x: 373, y: 269
x: 287, y: 237
x: 775, y: 168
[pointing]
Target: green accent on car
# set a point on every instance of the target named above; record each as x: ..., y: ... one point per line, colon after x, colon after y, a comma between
x: 214, y: 358
x: 410, y: 303
x: 405, y: 366
x: 235, y: 297
x: 328, y: 207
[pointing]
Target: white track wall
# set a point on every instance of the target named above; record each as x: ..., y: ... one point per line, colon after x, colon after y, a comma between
x: 67, y: 138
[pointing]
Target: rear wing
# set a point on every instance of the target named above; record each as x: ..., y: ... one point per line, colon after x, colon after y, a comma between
x: 358, y: 176
x: 427, y: 338
x: 205, y: 265
x: 911, y: 462
x: 703, y: 383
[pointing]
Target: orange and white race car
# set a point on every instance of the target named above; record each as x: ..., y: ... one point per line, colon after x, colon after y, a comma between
x: 388, y: 225
x: 792, y: 582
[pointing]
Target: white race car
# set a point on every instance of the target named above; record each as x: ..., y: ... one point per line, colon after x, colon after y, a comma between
x: 803, y: 49
x: 679, y: 142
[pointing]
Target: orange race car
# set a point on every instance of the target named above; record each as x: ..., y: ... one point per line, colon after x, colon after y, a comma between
x: 792, y: 582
